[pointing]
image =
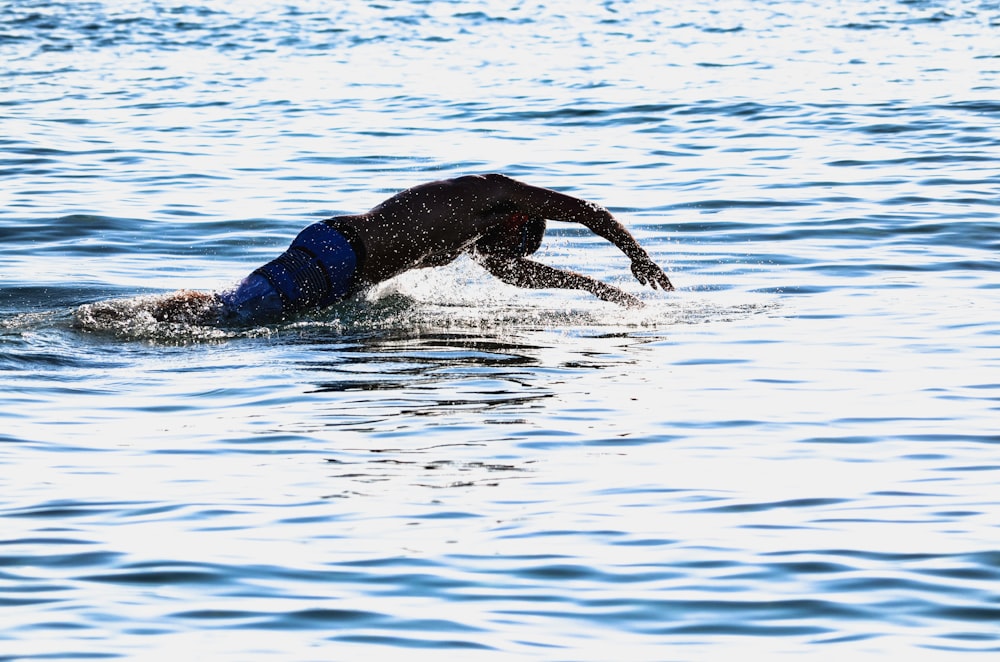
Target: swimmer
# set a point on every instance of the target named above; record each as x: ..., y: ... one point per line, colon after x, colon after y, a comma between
x: 496, y: 220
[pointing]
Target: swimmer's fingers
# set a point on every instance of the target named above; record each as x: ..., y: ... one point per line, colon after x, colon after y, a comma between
x: 649, y: 273
x: 614, y: 295
x: 630, y: 301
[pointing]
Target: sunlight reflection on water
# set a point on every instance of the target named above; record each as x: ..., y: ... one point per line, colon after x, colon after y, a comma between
x: 793, y: 454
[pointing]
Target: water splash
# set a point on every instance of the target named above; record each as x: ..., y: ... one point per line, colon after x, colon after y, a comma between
x: 457, y: 298
x: 156, y: 317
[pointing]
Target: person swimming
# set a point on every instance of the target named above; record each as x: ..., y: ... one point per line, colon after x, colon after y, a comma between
x: 496, y: 220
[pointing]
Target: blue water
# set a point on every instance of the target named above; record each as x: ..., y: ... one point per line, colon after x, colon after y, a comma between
x: 794, y: 456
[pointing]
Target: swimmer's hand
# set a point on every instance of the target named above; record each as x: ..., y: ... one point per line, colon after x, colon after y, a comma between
x: 649, y: 273
x: 611, y: 293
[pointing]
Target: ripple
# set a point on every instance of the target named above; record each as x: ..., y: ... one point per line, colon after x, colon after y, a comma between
x: 794, y: 452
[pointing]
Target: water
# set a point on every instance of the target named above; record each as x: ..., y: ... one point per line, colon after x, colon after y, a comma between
x: 793, y: 455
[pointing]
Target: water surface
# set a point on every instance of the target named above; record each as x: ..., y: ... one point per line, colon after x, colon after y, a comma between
x: 795, y: 454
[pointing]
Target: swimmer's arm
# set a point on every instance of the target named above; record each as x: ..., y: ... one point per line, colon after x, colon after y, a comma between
x: 560, y: 207
x: 528, y: 273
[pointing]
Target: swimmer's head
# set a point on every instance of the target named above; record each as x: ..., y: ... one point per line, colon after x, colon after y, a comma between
x: 518, y: 237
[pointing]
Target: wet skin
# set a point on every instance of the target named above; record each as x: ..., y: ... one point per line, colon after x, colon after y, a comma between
x: 432, y: 224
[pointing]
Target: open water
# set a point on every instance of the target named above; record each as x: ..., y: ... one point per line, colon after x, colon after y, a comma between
x: 794, y: 456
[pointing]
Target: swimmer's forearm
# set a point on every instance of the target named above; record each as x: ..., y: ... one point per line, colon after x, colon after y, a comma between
x: 604, y: 224
x: 645, y: 270
x: 530, y: 274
